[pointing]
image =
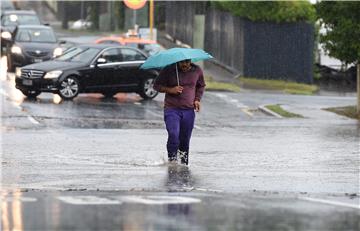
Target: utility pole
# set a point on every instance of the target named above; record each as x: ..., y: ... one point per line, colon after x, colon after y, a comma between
x: 151, y: 18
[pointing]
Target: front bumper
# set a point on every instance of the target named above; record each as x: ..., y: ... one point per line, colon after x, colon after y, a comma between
x: 38, y: 84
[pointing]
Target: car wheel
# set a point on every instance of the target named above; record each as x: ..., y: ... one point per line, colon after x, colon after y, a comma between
x: 31, y: 94
x: 69, y: 88
x: 147, y: 90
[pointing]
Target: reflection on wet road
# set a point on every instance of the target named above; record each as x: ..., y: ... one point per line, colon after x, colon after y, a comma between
x: 168, y: 211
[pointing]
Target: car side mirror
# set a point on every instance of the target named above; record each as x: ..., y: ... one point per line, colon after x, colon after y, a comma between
x: 62, y: 42
x: 100, y: 61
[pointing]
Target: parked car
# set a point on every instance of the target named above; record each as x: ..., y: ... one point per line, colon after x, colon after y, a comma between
x: 149, y: 46
x: 81, y: 24
x: 13, y: 18
x: 95, y: 68
x: 32, y: 44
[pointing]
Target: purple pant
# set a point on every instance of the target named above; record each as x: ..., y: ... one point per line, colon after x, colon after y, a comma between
x: 179, y: 125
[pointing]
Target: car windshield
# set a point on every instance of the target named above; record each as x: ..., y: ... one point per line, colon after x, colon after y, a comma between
x: 36, y: 35
x: 17, y: 19
x: 79, y: 54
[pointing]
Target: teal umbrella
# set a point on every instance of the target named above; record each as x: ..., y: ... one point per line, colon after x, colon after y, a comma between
x: 174, y: 55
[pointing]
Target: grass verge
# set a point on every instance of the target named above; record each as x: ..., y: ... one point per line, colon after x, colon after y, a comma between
x: 285, y: 86
x: 348, y: 111
x: 213, y: 85
x: 279, y: 110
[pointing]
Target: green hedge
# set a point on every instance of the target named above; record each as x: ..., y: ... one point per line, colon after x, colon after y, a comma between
x: 275, y: 11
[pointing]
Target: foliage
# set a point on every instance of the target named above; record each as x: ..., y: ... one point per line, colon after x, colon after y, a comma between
x: 341, y: 19
x: 276, y: 11
x: 212, y: 85
x: 94, y: 15
x: 285, y: 86
x: 279, y: 110
x: 120, y: 14
x: 348, y: 111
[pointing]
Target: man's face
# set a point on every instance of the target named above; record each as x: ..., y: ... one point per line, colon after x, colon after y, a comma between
x: 185, y: 65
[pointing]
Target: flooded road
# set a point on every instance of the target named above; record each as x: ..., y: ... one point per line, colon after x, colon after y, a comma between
x: 250, y: 170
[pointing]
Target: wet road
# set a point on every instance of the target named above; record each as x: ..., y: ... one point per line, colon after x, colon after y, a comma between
x: 238, y: 153
x: 233, y: 150
x: 170, y: 211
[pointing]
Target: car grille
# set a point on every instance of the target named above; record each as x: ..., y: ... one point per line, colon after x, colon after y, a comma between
x: 32, y: 74
x: 37, y: 54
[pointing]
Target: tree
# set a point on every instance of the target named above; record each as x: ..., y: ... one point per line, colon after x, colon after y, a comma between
x: 273, y: 11
x: 342, y: 39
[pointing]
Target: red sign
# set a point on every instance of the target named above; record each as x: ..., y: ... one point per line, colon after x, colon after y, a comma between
x: 135, y: 4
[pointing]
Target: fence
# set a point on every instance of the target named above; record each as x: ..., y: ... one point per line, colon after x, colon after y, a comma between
x: 254, y: 49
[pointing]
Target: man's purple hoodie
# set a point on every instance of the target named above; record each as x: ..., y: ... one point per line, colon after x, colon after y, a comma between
x: 192, y: 81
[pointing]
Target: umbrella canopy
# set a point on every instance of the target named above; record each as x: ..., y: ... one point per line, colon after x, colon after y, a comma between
x: 174, y: 55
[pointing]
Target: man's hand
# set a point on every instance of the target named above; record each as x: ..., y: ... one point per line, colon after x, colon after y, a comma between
x: 174, y: 90
x: 197, y: 106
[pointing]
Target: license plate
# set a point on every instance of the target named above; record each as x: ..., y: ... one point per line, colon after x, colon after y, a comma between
x: 27, y: 82
x: 38, y: 60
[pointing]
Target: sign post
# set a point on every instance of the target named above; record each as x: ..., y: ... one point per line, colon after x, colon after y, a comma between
x: 135, y: 5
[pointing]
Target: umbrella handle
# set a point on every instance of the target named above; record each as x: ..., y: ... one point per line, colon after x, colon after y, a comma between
x: 177, y: 74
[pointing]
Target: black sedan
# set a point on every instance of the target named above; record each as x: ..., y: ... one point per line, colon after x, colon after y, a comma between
x: 91, y: 68
x: 32, y: 44
x: 10, y: 19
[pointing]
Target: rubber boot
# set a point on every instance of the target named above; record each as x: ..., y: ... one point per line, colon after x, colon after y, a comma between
x: 172, y: 158
x: 184, y: 157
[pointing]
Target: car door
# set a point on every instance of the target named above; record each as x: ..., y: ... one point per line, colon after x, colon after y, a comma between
x: 108, y: 70
x: 129, y: 73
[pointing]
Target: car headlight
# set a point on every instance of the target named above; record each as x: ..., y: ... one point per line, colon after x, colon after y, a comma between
x: 57, y: 52
x: 52, y: 74
x: 16, y: 50
x: 6, y: 35
x: 18, y: 72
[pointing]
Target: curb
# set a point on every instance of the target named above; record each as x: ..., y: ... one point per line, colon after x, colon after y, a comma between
x: 269, y: 112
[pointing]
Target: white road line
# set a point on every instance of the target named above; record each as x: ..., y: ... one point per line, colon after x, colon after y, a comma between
x: 244, y: 108
x: 246, y: 111
x: 32, y: 120
x: 159, y: 200
x: 88, y: 200
x: 19, y: 199
x: 330, y: 202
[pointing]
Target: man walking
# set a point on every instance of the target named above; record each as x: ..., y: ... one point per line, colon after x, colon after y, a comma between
x: 183, y: 85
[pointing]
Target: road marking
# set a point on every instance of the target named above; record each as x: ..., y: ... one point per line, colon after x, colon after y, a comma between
x: 244, y: 108
x: 32, y: 120
x: 88, y: 200
x: 246, y: 111
x: 197, y: 127
x: 159, y: 200
x: 21, y: 199
x: 330, y: 202
x: 208, y: 190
